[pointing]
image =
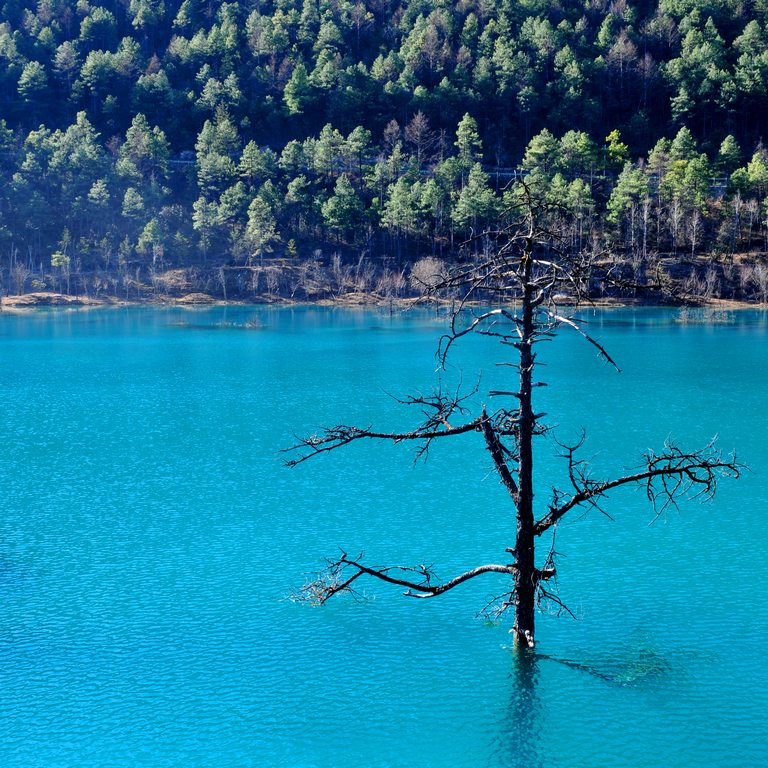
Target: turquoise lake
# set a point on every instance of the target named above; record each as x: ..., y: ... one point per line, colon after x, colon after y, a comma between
x: 150, y: 538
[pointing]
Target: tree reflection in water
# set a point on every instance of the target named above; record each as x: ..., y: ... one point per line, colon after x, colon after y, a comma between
x: 518, y: 745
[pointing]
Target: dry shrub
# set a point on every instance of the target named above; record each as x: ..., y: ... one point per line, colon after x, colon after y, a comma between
x: 427, y: 274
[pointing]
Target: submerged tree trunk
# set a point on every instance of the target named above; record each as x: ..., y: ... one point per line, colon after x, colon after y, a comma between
x: 525, y: 275
x: 525, y: 576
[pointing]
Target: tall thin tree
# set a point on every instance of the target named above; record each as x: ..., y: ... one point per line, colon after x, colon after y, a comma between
x: 521, y: 280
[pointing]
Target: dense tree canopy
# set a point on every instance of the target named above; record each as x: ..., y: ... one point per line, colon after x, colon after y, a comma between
x: 159, y: 132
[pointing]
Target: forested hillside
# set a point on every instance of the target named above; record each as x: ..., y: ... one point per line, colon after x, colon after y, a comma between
x: 348, y: 140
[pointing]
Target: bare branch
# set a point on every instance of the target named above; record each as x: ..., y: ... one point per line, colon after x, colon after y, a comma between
x: 496, y: 607
x: 340, y: 574
x: 335, y: 437
x: 496, y: 449
x: 439, y: 407
x: 572, y: 324
x: 528, y: 274
x: 448, y: 339
x: 671, y: 474
x: 544, y: 596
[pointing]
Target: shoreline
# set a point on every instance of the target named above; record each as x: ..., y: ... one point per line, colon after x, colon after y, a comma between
x: 50, y: 300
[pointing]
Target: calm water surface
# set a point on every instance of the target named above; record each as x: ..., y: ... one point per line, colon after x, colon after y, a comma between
x: 149, y: 537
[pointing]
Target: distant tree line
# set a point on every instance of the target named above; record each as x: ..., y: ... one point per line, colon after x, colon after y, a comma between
x: 152, y: 134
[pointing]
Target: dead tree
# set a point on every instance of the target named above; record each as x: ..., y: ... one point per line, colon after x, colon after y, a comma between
x: 522, y: 279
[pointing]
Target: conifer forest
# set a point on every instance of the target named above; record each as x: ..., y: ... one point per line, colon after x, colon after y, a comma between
x: 312, y: 148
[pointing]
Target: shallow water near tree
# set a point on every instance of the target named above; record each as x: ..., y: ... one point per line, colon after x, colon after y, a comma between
x: 149, y: 539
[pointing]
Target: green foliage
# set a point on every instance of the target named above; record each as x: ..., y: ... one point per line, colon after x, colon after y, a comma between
x: 60, y: 260
x: 33, y: 82
x: 757, y: 174
x: 477, y: 205
x: 631, y: 189
x: 98, y: 195
x: 728, y: 156
x: 188, y: 129
x: 400, y: 211
x: 541, y: 153
x: 343, y: 211
x: 146, y: 13
x: 133, y: 204
x: 616, y: 151
x: 257, y: 165
x: 578, y: 154
x: 468, y: 141
x: 683, y: 146
x: 260, y: 232
x: 150, y: 241
x: 145, y: 153
x: 298, y: 91
x: 700, y: 73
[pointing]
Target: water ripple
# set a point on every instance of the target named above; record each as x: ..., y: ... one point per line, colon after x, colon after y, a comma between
x: 148, y: 536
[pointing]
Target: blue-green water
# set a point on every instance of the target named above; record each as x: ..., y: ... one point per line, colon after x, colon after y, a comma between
x: 149, y: 537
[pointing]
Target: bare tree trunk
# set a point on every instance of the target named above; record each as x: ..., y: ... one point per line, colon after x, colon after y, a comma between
x: 525, y: 579
x: 525, y: 268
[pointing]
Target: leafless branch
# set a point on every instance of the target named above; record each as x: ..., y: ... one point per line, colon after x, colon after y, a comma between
x: 448, y: 339
x: 521, y: 285
x: 576, y: 327
x: 579, y: 474
x: 667, y: 476
x: 545, y: 596
x: 440, y: 406
x: 340, y: 574
x: 335, y: 437
x: 496, y: 607
x: 499, y: 456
